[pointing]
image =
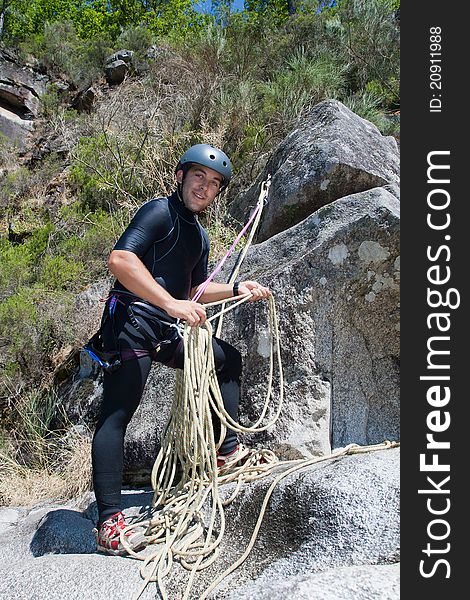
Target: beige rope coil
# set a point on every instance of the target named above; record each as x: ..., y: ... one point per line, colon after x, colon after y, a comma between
x: 185, y: 475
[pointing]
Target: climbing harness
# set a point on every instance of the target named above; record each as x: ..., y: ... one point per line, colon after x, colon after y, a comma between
x: 161, y: 332
x: 109, y: 361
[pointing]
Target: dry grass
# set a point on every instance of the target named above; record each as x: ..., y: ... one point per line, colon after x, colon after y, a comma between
x: 69, y: 477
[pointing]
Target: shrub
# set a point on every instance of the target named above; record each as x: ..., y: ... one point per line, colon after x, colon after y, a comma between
x: 18, y: 330
x: 36, y: 462
x: 368, y: 106
x: 137, y: 38
x: 57, y: 47
x: 14, y: 185
x: 16, y: 271
x: 301, y: 84
x: 59, y: 272
x: 8, y: 151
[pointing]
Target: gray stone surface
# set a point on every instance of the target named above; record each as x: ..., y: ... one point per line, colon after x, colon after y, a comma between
x: 116, y: 71
x: 21, y: 88
x: 332, y: 153
x: 15, y: 128
x: 338, y: 521
x: 371, y: 582
x: 335, y: 278
x: 337, y: 513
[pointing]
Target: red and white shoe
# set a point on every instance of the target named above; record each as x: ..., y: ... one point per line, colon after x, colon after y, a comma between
x: 108, y: 537
x: 240, y: 456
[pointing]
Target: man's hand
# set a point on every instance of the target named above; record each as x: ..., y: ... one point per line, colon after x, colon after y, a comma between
x: 259, y: 291
x: 187, y: 310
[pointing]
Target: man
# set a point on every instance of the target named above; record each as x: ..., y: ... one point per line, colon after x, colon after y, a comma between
x: 159, y: 263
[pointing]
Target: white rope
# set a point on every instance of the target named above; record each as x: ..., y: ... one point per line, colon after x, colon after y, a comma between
x: 261, y: 201
x: 185, y: 474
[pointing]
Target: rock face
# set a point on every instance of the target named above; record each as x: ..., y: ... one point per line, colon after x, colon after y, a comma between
x: 332, y: 154
x: 335, y: 277
x: 366, y: 582
x: 338, y: 521
x: 20, y: 90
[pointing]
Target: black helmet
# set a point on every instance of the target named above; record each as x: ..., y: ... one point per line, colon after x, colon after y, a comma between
x: 208, y: 156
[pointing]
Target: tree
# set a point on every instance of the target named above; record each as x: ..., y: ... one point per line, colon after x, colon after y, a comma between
x: 291, y: 7
x: 221, y: 9
x: 268, y: 12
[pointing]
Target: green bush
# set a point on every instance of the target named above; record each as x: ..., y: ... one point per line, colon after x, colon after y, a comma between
x: 301, y: 84
x: 59, y: 272
x: 14, y: 185
x: 88, y: 239
x: 17, y: 263
x: 63, y: 52
x: 103, y: 170
x: 368, y: 106
x: 18, y: 319
x: 137, y: 38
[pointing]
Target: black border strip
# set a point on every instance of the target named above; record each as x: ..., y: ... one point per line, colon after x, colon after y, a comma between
x: 431, y: 564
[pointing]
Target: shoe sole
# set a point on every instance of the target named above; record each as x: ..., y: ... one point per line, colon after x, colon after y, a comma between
x: 137, y: 544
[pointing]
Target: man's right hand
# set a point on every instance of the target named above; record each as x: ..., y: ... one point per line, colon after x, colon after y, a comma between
x: 187, y: 310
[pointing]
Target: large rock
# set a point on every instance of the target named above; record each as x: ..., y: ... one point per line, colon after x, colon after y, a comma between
x: 21, y: 88
x: 117, y: 66
x: 331, y: 154
x: 338, y: 521
x: 15, y: 128
x: 337, y: 513
x: 335, y: 278
x: 116, y: 71
x: 368, y: 582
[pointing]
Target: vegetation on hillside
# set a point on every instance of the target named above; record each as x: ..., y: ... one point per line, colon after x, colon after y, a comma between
x: 237, y: 80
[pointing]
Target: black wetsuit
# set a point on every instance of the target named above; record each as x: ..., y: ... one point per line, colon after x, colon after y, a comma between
x: 174, y: 247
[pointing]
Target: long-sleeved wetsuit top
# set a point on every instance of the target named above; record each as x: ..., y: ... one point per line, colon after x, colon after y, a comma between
x: 171, y: 243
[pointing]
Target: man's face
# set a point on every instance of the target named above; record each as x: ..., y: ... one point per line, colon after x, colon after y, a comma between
x: 200, y: 187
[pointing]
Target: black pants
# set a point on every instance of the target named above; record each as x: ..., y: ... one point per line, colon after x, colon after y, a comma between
x: 122, y: 391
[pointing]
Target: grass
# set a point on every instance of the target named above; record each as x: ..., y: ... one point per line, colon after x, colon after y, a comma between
x: 36, y: 463
x: 67, y: 476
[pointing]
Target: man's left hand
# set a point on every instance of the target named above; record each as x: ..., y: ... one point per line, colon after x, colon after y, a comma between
x: 257, y: 290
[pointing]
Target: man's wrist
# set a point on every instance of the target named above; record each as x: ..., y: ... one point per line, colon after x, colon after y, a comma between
x: 236, y: 285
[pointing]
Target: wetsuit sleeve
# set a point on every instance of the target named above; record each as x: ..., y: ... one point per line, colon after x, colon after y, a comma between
x: 199, y: 273
x: 148, y: 225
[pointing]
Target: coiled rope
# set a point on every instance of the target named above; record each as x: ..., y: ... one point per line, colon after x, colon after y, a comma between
x: 185, y: 477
